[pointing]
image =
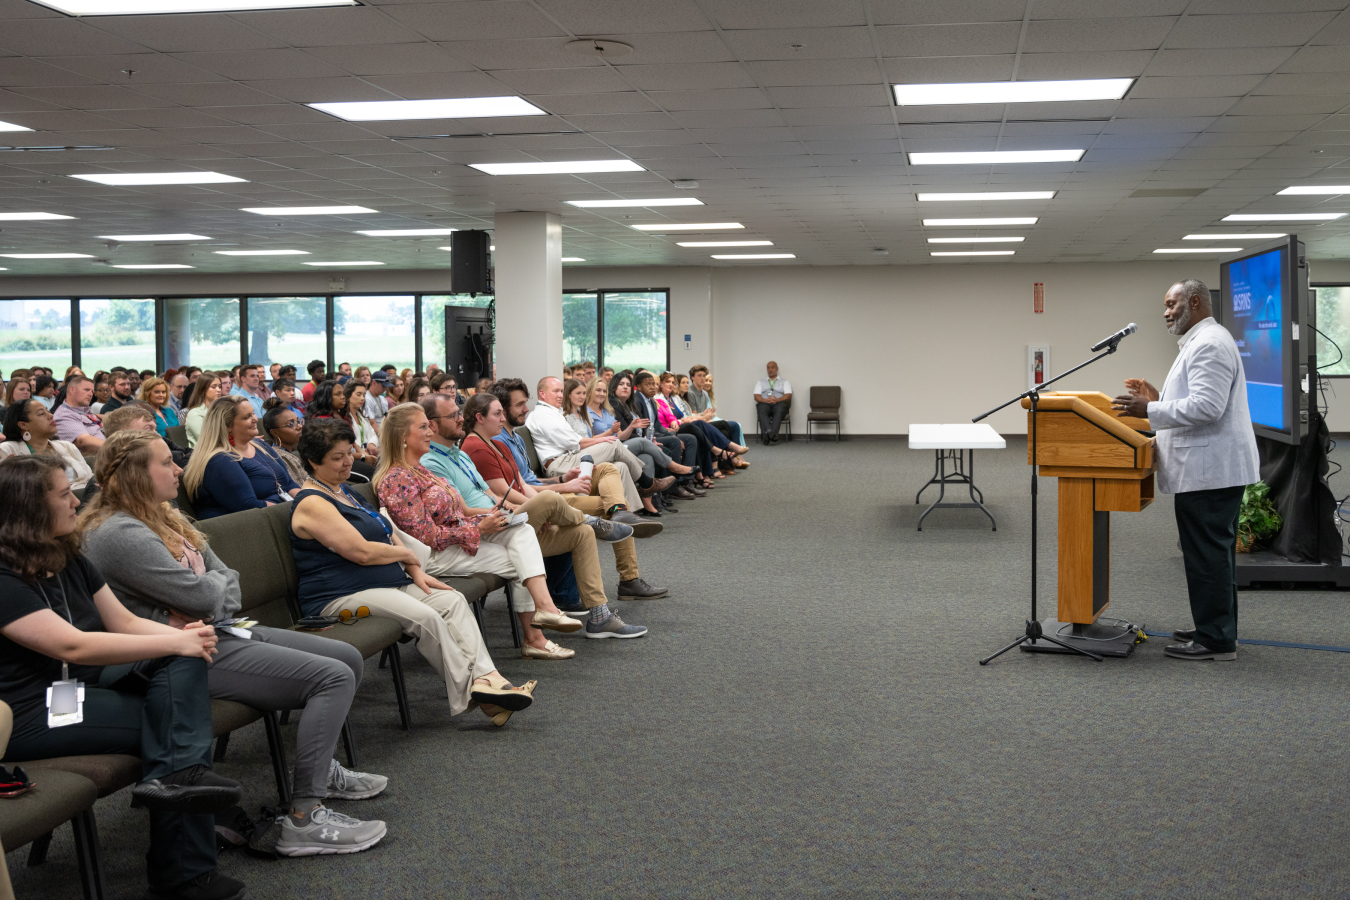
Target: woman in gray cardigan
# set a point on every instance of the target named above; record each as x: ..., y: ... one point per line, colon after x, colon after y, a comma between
x: 153, y: 558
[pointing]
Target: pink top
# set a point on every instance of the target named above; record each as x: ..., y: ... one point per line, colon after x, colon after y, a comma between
x: 428, y: 508
x: 192, y: 560
x: 669, y: 420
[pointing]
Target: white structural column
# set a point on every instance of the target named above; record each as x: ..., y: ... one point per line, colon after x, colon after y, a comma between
x: 528, y: 288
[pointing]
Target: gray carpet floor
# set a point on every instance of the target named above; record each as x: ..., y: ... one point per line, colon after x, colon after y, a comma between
x: 806, y: 718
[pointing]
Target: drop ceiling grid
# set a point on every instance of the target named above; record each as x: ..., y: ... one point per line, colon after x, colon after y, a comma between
x: 317, y: 158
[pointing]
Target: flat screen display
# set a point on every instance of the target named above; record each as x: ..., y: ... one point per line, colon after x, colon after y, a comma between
x: 1254, y: 315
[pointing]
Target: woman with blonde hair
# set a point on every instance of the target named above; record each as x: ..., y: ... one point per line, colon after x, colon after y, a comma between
x: 205, y: 391
x: 229, y: 471
x: 162, y: 569
x: 155, y: 391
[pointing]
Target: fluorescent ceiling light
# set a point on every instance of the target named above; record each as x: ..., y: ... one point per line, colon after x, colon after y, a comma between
x: 449, y: 108
x: 152, y: 237
x: 1011, y: 91
x: 575, y: 167
x: 30, y: 217
x: 261, y: 252
x: 994, y: 157
x: 988, y: 195
x: 47, y: 255
x: 162, y: 7
x: 10, y: 126
x: 725, y: 243
x: 1234, y: 237
x: 619, y: 204
x: 1318, y: 189
x: 977, y: 240
x: 155, y: 266
x: 127, y: 179
x: 1284, y: 217
x: 1198, y: 250
x: 359, y: 262
x: 977, y: 223
x: 691, y: 226
x: 971, y: 252
x: 572, y: 259
x: 407, y: 232
x: 754, y: 256
x: 306, y: 210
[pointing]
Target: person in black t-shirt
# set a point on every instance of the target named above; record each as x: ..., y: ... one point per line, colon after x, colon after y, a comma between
x: 145, y: 685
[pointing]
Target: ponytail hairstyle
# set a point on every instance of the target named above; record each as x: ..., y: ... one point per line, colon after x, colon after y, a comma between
x: 27, y: 545
x: 478, y: 407
x: 214, y: 438
x: 122, y: 472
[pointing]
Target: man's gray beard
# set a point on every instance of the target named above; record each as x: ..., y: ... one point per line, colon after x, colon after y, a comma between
x: 1181, y: 325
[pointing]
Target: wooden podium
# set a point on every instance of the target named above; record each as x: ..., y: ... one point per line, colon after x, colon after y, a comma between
x: 1104, y: 465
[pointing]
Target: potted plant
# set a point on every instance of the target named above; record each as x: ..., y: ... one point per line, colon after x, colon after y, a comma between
x: 1257, y: 519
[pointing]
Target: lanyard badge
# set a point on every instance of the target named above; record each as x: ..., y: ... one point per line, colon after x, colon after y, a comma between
x: 65, y: 703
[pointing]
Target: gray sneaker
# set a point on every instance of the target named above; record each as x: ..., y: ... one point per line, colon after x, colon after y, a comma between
x: 607, y: 531
x: 614, y: 627
x: 326, y: 832
x: 344, y: 784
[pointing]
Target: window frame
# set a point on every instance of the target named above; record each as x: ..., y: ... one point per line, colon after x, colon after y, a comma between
x: 600, y: 315
x: 1345, y: 350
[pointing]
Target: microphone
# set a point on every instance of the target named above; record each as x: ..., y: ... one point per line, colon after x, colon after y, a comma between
x: 1115, y: 338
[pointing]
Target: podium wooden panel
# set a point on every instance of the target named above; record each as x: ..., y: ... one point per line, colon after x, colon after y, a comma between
x: 1103, y: 465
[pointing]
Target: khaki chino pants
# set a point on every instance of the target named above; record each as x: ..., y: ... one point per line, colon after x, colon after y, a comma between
x: 628, y: 466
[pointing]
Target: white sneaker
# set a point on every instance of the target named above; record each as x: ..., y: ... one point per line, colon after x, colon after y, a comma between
x: 344, y: 784
x: 325, y: 833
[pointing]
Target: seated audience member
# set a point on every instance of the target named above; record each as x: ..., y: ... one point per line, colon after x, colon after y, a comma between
x: 58, y: 614
x: 416, y: 389
x: 692, y: 450
x: 345, y: 369
x: 444, y: 383
x: 273, y: 373
x: 226, y: 382
x: 710, y: 449
x: 584, y: 372
x: 482, y: 385
x: 316, y: 370
x: 129, y: 418
x: 367, y: 446
x: 485, y: 419
x: 429, y: 510
x: 44, y: 390
x: 229, y: 471
x: 577, y: 415
x: 155, y: 392
x: 347, y: 557
x: 377, y: 404
x: 680, y: 405
x: 74, y: 421
x: 694, y: 391
x: 18, y: 389
x: 178, y: 386
x: 393, y: 394
x: 606, y: 374
x: 193, y: 373
x: 31, y: 431
x: 329, y: 400
x: 559, y: 447
x: 249, y: 387
x: 772, y: 398
x: 204, y: 393
x: 162, y: 569
x: 102, y: 391
x: 283, y: 390
x: 281, y: 430
x: 656, y: 462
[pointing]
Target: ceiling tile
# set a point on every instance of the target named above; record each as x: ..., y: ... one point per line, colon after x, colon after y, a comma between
x: 532, y: 53
x: 1284, y: 29
x: 221, y: 93
x: 1252, y: 60
x: 948, y: 40
x: 505, y: 20
x: 594, y: 104
x: 1095, y: 9
x: 392, y: 59
x: 322, y: 90
x: 802, y: 43
x: 648, y: 121
x: 940, y: 70
x: 935, y: 12
x: 344, y: 26
x: 829, y: 115
x: 17, y: 72
x: 853, y: 95
x: 1265, y: 123
x: 95, y: 96
x: 735, y: 14
x: 1202, y: 86
x: 597, y: 79
x: 256, y: 65
x: 1098, y: 64
x: 1268, y: 106
x: 607, y: 17
x: 61, y: 37
x: 145, y: 68
x: 814, y: 72
x: 1069, y: 35
x: 181, y: 34
x: 672, y: 77
x: 165, y: 117
x: 726, y: 118
x: 1329, y: 83
x: 1197, y: 106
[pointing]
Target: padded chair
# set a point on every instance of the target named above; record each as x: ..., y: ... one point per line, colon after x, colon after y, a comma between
x: 178, y: 435
x: 825, y: 402
x: 57, y: 797
x: 185, y: 503
x: 531, y: 453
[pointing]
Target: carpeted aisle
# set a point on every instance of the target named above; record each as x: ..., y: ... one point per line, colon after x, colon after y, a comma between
x: 807, y: 719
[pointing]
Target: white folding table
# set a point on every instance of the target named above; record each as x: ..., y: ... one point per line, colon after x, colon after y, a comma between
x: 955, y: 444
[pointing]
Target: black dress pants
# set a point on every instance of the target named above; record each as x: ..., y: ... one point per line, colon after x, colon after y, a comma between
x: 1207, y: 524
x: 770, y: 418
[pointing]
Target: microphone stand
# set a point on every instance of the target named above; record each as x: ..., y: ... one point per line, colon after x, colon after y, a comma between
x: 1034, y: 632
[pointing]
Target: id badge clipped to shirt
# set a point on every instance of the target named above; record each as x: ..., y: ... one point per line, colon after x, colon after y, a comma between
x: 65, y: 703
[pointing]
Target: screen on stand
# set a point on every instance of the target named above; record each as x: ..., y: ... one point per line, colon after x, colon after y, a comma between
x: 1254, y: 315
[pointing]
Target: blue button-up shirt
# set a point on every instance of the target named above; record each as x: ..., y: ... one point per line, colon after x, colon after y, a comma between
x: 517, y: 446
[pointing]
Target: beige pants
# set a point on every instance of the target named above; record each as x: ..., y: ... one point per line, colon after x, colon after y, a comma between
x: 512, y: 553
x: 606, y: 493
x: 570, y: 534
x: 628, y: 466
x: 447, y: 635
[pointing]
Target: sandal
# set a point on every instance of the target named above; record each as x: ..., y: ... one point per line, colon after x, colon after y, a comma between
x: 550, y: 651
x: 499, y: 692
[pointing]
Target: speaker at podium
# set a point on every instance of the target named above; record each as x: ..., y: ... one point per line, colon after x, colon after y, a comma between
x: 1104, y: 464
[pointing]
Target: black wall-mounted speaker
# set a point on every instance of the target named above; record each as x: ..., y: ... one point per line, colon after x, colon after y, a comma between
x: 469, y: 273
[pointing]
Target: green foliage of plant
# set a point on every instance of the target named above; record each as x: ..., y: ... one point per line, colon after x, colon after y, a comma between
x: 1258, y: 519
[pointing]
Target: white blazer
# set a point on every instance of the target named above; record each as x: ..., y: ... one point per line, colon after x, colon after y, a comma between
x: 1205, y: 439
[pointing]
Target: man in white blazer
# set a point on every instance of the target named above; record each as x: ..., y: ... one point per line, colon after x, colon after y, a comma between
x: 1206, y: 456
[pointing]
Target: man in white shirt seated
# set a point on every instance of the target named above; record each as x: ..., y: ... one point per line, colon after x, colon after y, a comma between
x: 772, y: 398
x: 559, y: 447
x: 376, y: 406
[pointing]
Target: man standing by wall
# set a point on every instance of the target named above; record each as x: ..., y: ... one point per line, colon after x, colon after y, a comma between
x: 772, y: 398
x: 1206, y: 455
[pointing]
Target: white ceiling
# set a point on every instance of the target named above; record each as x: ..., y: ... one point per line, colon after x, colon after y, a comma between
x: 780, y: 109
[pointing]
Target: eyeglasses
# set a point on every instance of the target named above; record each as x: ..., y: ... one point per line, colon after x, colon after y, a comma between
x: 458, y: 415
x: 347, y: 617
x: 293, y: 423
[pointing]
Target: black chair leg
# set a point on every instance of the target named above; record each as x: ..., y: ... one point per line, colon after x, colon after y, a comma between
x: 280, y: 770
x: 37, y: 851
x: 836, y: 431
x: 222, y: 743
x: 349, y: 742
x: 477, y: 607
x: 384, y: 658
x: 87, y: 852
x: 516, y: 637
x: 400, y: 690
x: 285, y: 717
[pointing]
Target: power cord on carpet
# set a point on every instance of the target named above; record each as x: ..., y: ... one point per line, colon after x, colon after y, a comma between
x: 1290, y: 644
